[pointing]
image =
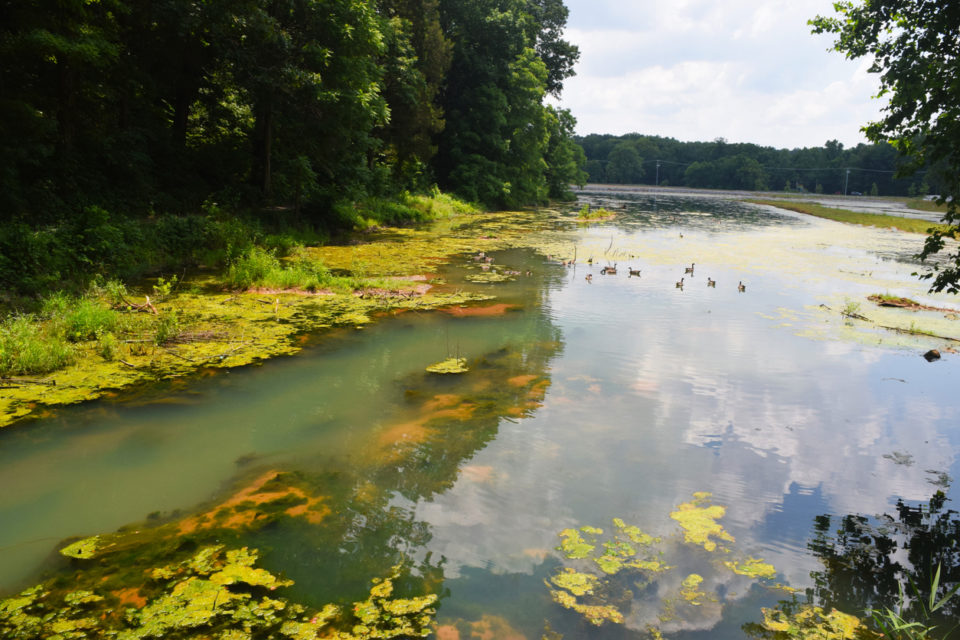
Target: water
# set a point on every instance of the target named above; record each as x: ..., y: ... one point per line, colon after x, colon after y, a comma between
x: 613, y: 398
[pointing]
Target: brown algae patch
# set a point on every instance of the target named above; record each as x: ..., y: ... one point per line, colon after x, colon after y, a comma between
x: 252, y: 504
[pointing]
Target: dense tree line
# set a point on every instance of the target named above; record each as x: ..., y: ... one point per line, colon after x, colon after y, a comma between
x: 634, y: 159
x: 148, y: 106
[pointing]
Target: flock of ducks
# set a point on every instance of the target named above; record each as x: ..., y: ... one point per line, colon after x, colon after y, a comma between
x: 608, y: 270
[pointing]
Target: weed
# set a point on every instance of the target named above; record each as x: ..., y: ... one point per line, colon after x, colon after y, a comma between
x: 26, y: 350
x: 163, y: 287
x: 168, y: 327
x: 77, y: 319
x: 107, y: 346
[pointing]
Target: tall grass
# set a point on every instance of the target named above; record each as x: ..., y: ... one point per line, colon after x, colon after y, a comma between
x: 25, y: 349
x: 77, y: 319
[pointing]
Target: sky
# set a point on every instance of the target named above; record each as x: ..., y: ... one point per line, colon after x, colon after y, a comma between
x: 743, y: 70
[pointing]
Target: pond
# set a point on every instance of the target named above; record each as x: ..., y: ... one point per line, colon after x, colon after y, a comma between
x: 607, y: 403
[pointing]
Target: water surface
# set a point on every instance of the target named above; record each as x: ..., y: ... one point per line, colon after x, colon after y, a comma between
x: 614, y: 397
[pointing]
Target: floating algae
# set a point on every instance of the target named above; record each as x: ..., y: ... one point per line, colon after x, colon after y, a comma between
x: 450, y: 365
x: 609, y: 569
x: 699, y: 521
x: 84, y: 549
x: 219, y: 593
x: 230, y: 329
x: 807, y: 622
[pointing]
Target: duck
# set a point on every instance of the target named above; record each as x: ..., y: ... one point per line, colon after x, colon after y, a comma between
x: 690, y: 268
x: 633, y: 272
x: 711, y: 282
x: 680, y: 284
x: 741, y: 287
x: 589, y: 277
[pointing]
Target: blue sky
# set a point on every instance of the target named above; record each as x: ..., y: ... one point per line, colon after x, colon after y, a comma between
x: 744, y: 70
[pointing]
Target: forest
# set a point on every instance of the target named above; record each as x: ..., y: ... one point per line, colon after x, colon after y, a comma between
x: 867, y: 169
x: 144, y: 134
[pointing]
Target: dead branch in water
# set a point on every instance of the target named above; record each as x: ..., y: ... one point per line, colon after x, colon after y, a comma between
x: 18, y: 381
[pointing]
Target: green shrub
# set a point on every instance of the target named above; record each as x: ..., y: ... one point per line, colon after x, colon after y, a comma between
x: 108, y: 346
x: 77, y: 319
x: 168, y: 326
x: 26, y: 350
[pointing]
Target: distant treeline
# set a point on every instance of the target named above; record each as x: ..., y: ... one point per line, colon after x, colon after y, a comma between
x: 639, y: 159
x: 115, y: 110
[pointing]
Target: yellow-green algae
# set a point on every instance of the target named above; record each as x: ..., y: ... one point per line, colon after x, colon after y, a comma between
x: 699, y: 521
x: 608, y: 569
x: 84, y: 549
x: 216, y: 593
x: 810, y: 623
x: 450, y: 365
x: 229, y: 329
x: 752, y: 567
x: 690, y: 589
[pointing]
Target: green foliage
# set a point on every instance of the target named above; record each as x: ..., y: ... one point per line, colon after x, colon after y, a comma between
x: 26, y: 349
x: 77, y: 319
x: 910, y: 44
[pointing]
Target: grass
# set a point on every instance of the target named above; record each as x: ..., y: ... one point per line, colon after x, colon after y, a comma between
x: 919, y: 204
x: 910, y: 225
x: 26, y: 348
x: 77, y: 319
x: 262, y: 268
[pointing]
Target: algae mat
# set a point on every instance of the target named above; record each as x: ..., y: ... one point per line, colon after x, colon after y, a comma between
x: 223, y: 329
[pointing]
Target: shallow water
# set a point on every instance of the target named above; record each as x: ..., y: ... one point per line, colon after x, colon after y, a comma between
x: 613, y: 398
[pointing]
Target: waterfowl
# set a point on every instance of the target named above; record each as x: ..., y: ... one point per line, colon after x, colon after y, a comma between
x: 680, y: 284
x: 608, y: 270
x: 589, y: 277
x: 741, y: 287
x: 690, y: 268
x: 633, y: 272
x: 711, y: 283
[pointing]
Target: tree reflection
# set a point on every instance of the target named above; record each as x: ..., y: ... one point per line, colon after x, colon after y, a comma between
x: 867, y: 560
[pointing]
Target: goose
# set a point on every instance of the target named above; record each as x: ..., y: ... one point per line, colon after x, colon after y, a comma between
x: 610, y: 270
x: 633, y: 272
x: 680, y: 284
x: 690, y: 268
x: 741, y: 287
x: 711, y: 283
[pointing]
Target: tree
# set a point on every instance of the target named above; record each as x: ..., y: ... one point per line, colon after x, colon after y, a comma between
x: 913, y: 44
x: 624, y: 165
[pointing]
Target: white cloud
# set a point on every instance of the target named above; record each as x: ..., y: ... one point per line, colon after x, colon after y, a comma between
x: 697, y: 70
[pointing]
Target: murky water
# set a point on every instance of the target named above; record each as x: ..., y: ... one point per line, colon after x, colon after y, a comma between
x: 615, y: 397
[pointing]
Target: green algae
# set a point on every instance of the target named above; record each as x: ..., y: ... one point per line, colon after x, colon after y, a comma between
x: 574, y: 546
x: 690, y: 589
x: 216, y: 593
x: 449, y: 366
x: 807, y: 622
x: 752, y: 567
x: 607, y: 570
x: 699, y: 521
x: 220, y: 329
x: 84, y: 549
x: 575, y: 582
